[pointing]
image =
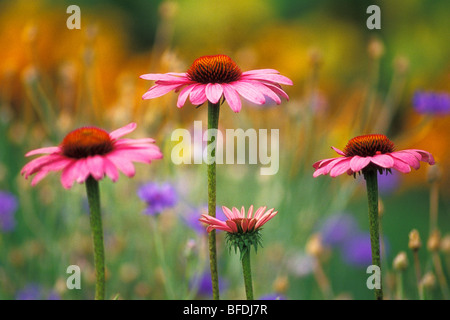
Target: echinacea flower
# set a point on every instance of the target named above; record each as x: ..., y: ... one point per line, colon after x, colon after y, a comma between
x: 212, y: 77
x: 91, y: 151
x: 371, y: 151
x: 242, y: 233
x: 88, y: 154
x: 371, y: 154
x: 158, y: 197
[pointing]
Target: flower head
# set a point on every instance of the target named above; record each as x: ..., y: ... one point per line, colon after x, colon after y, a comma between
x: 218, y: 76
x: 242, y: 227
x: 431, y: 102
x: 371, y: 151
x: 8, y: 207
x: 158, y: 197
x: 91, y: 151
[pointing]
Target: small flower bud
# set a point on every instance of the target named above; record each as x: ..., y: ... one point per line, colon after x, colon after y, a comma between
x: 281, y: 284
x: 375, y: 48
x: 314, y: 246
x: 434, y: 240
x: 414, y: 240
x: 428, y: 281
x: 445, y: 244
x: 401, y: 261
x: 434, y: 173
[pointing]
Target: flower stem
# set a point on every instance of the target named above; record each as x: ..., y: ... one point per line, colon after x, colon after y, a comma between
x: 246, y: 269
x: 93, y: 195
x: 370, y: 176
x: 213, y: 123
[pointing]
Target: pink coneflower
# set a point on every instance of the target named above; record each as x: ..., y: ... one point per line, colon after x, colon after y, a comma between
x: 373, y: 150
x: 370, y: 154
x: 243, y: 232
x: 239, y: 221
x: 212, y: 77
x: 90, y: 151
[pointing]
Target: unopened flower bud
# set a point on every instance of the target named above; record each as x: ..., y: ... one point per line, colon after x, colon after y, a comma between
x: 375, y: 48
x: 434, y: 240
x: 434, y: 173
x: 314, y: 246
x: 445, y: 244
x: 428, y: 280
x: 414, y: 240
x: 281, y: 284
x: 401, y: 261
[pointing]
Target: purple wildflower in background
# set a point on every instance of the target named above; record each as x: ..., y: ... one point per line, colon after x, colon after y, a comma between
x: 337, y: 228
x: 388, y: 183
x: 158, y: 197
x: 34, y: 291
x: 431, y: 102
x: 201, y: 282
x: 8, y: 207
x: 356, y: 251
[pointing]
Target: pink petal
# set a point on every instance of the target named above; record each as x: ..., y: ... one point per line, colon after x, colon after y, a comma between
x: 165, y: 77
x: 184, y: 94
x: 260, y: 71
x: 159, y: 90
x: 407, y: 158
x: 43, y: 151
x: 358, y: 163
x: 232, y: 225
x: 250, y: 212
x: 259, y: 212
x: 69, y: 174
x: 95, y: 166
x: 265, y: 90
x: 249, y: 92
x: 244, y: 225
x: 123, y: 131
x: 236, y: 213
x: 110, y: 169
x: 338, y: 151
x: 382, y: 160
x: 275, y: 78
x: 232, y: 97
x: 228, y: 213
x: 277, y: 90
x: 213, y: 92
x: 401, y: 166
x: 340, y: 167
x: 198, y: 96
x: 123, y: 164
x: 425, y: 156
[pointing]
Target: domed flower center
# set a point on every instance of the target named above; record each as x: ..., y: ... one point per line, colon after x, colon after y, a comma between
x: 87, y: 141
x: 368, y: 145
x: 214, y: 69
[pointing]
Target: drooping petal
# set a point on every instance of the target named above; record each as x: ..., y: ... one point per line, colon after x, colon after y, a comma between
x: 425, y: 155
x: 338, y: 151
x: 45, y: 150
x: 198, y: 95
x: 174, y: 77
x: 232, y: 97
x: 249, y: 92
x: 159, y: 90
x: 116, y: 134
x: 401, y: 166
x: 382, y: 160
x: 340, y: 167
x: 270, y: 77
x: 185, y: 92
x: 95, y: 166
x: 408, y: 158
x: 213, y: 92
x: 358, y: 163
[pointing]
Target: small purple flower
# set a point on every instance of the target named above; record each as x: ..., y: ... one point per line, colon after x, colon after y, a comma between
x: 272, y: 296
x: 8, y: 207
x: 388, y: 183
x: 356, y: 251
x: 35, y: 291
x: 337, y: 228
x: 202, y: 283
x: 158, y: 197
x: 432, y: 102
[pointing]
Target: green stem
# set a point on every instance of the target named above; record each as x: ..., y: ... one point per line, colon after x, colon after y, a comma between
x: 246, y: 269
x: 213, y: 123
x: 161, y: 257
x: 93, y: 195
x: 370, y: 175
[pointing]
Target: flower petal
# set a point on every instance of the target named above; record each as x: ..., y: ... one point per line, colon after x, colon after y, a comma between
x: 46, y: 150
x: 159, y: 90
x: 358, y: 163
x: 213, y: 92
x: 123, y: 131
x: 383, y: 160
x: 232, y: 97
x: 249, y: 92
x: 340, y: 167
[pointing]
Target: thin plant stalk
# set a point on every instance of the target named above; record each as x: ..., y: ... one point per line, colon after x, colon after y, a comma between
x: 93, y: 195
x: 246, y: 269
x: 213, y: 123
x: 370, y: 175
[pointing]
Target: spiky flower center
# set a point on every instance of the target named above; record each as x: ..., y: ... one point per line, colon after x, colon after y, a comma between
x: 86, y: 141
x: 214, y: 69
x: 368, y: 145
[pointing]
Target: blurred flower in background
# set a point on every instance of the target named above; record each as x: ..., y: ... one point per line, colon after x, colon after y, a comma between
x: 8, y: 207
x: 337, y: 228
x: 356, y: 251
x: 158, y: 197
x: 434, y: 103
x: 202, y: 285
x: 34, y: 291
x: 192, y: 216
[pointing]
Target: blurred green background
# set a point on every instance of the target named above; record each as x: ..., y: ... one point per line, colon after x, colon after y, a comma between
x: 348, y: 80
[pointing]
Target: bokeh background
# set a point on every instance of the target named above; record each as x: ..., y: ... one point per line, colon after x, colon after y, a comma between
x: 348, y: 80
